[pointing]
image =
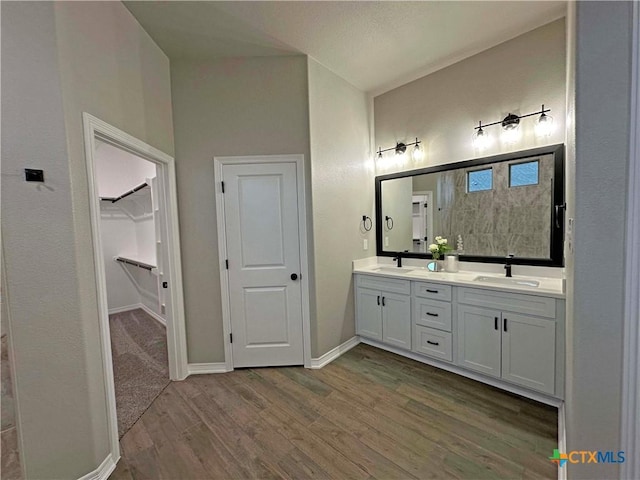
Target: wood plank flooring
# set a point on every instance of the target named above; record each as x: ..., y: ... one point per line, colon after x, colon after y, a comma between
x: 369, y: 414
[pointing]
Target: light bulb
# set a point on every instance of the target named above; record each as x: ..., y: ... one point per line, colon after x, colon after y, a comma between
x: 511, y: 135
x: 481, y: 140
x: 544, y: 127
x: 418, y: 153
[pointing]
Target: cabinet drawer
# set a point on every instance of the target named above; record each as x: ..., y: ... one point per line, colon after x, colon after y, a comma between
x: 434, y: 343
x: 506, y: 301
x: 434, y: 291
x: 432, y: 313
x: 394, y: 285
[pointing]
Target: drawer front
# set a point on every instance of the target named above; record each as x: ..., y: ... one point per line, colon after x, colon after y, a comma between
x: 434, y: 343
x: 432, y: 313
x: 375, y: 282
x: 510, y: 302
x: 434, y: 291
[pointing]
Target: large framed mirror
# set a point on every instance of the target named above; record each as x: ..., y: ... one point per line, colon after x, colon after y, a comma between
x: 491, y: 207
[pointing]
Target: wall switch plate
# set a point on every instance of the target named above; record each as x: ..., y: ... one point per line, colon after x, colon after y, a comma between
x: 33, y: 175
x: 365, y: 244
x: 386, y: 241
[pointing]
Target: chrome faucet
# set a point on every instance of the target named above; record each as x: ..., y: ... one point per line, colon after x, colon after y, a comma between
x: 507, y: 265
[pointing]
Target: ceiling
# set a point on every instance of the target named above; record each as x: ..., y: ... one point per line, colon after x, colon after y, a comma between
x: 376, y: 46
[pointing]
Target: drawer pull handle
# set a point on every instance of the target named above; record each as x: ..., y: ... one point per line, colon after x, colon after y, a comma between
x: 432, y: 314
x: 432, y: 291
x: 433, y: 343
x: 495, y: 322
x: 383, y: 302
x: 378, y: 299
x: 505, y: 324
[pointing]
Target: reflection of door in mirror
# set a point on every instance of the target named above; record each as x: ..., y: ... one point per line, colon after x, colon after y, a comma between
x: 422, y: 220
x: 396, y: 199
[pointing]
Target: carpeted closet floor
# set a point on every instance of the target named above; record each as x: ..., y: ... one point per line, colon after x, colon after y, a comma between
x: 140, y: 364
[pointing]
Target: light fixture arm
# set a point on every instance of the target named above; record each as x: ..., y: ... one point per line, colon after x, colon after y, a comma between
x: 400, y: 147
x: 512, y: 117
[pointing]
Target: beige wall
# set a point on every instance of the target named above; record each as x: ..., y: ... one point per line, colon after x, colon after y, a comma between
x: 442, y: 109
x: 342, y: 191
x: 58, y: 60
x: 243, y: 106
x: 602, y: 116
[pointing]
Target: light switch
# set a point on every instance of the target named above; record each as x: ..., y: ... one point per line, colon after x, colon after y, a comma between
x: 365, y: 244
x: 386, y: 241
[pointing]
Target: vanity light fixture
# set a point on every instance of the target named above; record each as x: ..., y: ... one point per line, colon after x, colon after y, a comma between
x: 511, y: 123
x: 401, y: 148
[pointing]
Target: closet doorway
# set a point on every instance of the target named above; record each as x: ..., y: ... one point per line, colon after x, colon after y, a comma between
x: 137, y: 262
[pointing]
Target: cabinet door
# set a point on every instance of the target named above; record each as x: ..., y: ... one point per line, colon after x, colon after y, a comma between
x: 479, y: 339
x: 396, y: 320
x: 529, y: 351
x: 369, y: 314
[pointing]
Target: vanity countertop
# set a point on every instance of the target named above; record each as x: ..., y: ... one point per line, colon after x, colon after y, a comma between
x: 547, y: 286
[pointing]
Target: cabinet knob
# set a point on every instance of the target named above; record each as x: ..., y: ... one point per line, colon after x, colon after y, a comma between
x: 294, y: 276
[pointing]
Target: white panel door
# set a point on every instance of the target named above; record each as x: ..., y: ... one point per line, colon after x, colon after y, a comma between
x: 479, y: 339
x: 263, y: 247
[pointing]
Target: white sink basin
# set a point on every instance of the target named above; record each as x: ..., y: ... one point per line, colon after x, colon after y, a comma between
x: 508, y: 281
x: 392, y: 269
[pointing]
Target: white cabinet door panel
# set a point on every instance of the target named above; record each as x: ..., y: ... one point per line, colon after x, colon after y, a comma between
x: 528, y: 351
x: 369, y: 314
x: 479, y: 339
x: 396, y: 320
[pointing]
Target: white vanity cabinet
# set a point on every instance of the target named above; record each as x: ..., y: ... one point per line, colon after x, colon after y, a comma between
x: 507, y: 341
x: 383, y: 310
x: 505, y: 338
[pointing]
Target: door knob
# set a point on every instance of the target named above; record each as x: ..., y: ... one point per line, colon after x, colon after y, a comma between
x: 294, y: 276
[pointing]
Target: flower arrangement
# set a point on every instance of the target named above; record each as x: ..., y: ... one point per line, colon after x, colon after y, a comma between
x: 439, y: 248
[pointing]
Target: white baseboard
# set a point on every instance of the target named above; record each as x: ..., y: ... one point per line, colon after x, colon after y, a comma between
x: 103, y: 471
x: 334, y: 353
x: 126, y: 308
x: 142, y: 306
x: 202, y: 368
x: 153, y: 314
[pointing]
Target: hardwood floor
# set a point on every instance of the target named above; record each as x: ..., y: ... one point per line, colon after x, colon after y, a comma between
x: 369, y: 414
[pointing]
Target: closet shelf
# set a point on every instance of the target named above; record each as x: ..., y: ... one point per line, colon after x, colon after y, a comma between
x: 135, y: 263
x: 126, y: 194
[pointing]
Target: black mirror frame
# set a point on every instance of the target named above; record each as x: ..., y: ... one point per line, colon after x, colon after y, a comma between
x: 557, y: 208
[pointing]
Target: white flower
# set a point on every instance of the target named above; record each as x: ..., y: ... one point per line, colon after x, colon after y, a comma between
x: 438, y: 238
x: 441, y: 241
x: 433, y: 247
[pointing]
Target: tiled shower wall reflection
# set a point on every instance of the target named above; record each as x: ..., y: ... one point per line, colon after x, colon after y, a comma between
x: 502, y: 220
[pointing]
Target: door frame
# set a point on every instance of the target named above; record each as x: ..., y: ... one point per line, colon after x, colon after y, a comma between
x: 298, y: 160
x: 95, y: 128
x: 630, y: 424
